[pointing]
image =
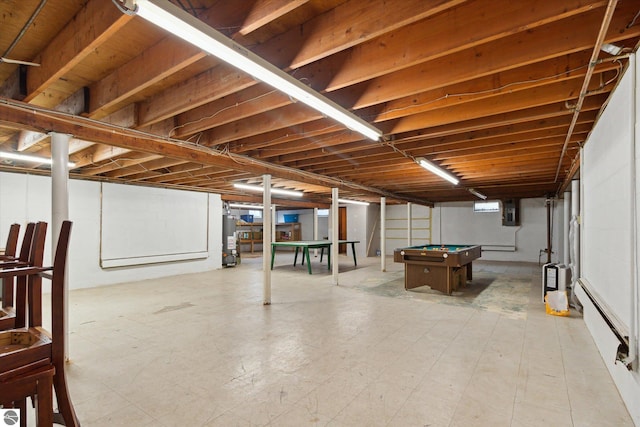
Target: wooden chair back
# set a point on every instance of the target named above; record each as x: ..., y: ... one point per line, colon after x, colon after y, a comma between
x: 40, y: 360
x: 12, y: 242
x: 14, y: 311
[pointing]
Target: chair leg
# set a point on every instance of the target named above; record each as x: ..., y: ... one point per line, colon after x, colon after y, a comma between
x: 21, y: 405
x: 64, y: 399
x: 44, y: 402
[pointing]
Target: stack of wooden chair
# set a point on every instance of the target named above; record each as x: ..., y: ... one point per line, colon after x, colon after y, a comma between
x: 32, y: 359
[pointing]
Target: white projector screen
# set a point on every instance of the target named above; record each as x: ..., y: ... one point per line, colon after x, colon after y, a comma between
x: 144, y: 225
x: 607, y: 204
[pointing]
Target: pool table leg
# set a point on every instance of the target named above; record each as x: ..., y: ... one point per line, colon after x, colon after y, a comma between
x: 469, y: 272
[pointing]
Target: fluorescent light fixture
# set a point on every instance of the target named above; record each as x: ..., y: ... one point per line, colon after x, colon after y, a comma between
x: 273, y: 190
x: 187, y: 27
x: 353, y: 202
x: 477, y: 194
x: 29, y: 158
x: 611, y: 49
x: 241, y: 206
x: 431, y: 167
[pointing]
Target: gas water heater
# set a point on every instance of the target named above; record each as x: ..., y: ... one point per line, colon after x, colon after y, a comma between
x: 230, y: 255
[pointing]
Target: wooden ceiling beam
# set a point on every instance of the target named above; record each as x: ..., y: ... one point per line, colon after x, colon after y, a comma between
x: 254, y: 100
x: 422, y: 41
x: 323, y: 145
x: 573, y: 66
x: 185, y: 172
x: 505, y: 103
x: 123, y: 162
x: 264, y: 11
x: 213, y: 84
x: 518, y: 50
x: 148, y: 165
x: 82, y: 128
x: 298, y: 134
x: 279, y: 118
x: 349, y: 24
x: 523, y: 131
x: 557, y: 110
x: 93, y: 25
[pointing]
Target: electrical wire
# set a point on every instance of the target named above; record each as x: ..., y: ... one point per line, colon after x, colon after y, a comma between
x: 123, y: 9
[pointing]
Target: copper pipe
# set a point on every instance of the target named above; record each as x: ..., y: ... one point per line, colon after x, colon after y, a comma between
x: 587, y: 78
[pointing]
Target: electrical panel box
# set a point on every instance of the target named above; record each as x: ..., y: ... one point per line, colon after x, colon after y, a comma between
x: 511, y: 212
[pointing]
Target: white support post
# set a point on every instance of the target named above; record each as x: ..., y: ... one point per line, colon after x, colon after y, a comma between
x: 575, y: 220
x: 566, y: 223
x: 60, y: 210
x: 383, y: 234
x: 334, y: 234
x: 409, y: 224
x: 266, y: 239
x: 315, y: 229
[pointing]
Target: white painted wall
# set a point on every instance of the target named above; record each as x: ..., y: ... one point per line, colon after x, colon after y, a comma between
x: 454, y: 223
x: 607, y: 238
x: 458, y: 223
x: 25, y: 198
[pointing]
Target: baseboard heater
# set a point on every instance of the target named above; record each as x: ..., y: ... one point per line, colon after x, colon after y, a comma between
x: 616, y: 326
x: 498, y: 248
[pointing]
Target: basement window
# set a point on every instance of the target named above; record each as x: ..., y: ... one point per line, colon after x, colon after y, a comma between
x: 486, y: 206
x: 256, y: 214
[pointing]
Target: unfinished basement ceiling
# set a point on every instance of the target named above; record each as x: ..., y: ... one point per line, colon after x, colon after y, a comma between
x: 487, y: 89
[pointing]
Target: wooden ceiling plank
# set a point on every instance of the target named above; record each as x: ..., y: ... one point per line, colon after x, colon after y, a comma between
x: 249, y: 102
x: 465, y: 29
x: 533, y: 75
x: 98, y: 153
x: 501, y: 55
x: 205, y: 87
x: 348, y: 25
x: 201, y: 88
x: 507, y: 102
x: 129, y: 159
x: 264, y: 11
x: 544, y: 112
x: 91, y: 27
x: 279, y: 118
x: 148, y: 164
x: 153, y: 65
x: 175, y: 172
x: 294, y: 134
x: 315, y: 147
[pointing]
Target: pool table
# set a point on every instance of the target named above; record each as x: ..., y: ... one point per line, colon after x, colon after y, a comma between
x: 441, y: 267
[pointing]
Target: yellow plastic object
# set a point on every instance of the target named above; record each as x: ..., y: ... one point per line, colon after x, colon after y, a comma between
x: 557, y: 303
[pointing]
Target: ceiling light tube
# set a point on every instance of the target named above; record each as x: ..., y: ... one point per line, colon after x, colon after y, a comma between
x: 273, y: 190
x: 241, y: 206
x: 353, y: 202
x: 477, y: 194
x: 187, y: 27
x: 29, y: 158
x: 433, y: 168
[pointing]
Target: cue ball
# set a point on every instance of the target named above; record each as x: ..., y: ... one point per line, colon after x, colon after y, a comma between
x: 401, y: 252
x: 445, y: 255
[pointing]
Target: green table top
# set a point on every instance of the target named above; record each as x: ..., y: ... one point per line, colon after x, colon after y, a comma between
x: 310, y: 243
